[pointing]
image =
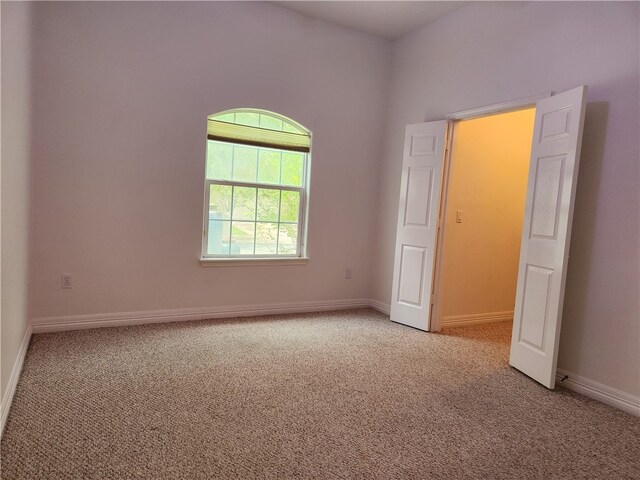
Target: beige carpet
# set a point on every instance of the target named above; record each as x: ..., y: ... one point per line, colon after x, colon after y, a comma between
x: 332, y: 395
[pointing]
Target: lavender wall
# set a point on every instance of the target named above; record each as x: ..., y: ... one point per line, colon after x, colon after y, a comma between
x: 122, y: 92
x: 15, y: 197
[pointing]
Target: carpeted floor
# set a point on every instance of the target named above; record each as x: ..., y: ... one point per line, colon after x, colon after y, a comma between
x: 330, y: 395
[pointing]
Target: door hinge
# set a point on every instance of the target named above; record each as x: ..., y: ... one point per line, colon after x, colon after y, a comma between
x: 433, y: 298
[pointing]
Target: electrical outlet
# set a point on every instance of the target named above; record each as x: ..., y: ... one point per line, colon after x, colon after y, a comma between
x: 66, y: 281
x: 347, y: 273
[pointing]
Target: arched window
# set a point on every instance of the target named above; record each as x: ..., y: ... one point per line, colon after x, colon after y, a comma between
x: 257, y: 175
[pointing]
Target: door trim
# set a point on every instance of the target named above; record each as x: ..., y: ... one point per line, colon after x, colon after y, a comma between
x: 502, y: 107
x: 435, y: 323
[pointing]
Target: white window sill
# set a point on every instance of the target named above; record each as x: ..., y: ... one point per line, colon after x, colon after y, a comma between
x: 252, y: 262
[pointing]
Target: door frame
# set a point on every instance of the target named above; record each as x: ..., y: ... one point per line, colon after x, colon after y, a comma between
x: 435, y: 324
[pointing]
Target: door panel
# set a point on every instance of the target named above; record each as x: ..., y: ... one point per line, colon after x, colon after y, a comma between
x: 553, y: 172
x: 417, y: 223
x: 412, y: 265
x: 534, y: 309
x: 418, y: 205
x: 547, y: 188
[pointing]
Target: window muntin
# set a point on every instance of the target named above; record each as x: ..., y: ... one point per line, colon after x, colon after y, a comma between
x: 255, y: 195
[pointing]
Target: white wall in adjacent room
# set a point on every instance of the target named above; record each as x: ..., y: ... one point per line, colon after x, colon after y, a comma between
x: 486, y: 53
x: 122, y: 94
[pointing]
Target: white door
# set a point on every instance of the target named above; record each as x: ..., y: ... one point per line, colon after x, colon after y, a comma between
x: 546, y: 232
x: 417, y: 223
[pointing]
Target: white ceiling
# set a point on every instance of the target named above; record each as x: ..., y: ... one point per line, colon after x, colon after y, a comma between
x: 389, y: 19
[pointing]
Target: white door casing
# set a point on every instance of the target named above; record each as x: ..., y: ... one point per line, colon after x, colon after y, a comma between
x: 546, y: 234
x: 417, y: 223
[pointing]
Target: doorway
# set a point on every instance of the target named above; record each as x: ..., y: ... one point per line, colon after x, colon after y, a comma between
x: 483, y: 206
x: 546, y: 229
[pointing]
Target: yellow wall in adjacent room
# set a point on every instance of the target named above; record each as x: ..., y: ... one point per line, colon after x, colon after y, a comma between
x: 488, y: 183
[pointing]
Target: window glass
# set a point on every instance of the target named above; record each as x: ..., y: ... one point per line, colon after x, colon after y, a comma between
x: 255, y: 194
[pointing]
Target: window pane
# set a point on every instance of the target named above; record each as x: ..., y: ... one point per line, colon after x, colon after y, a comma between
x: 288, y: 239
x: 287, y: 127
x: 292, y: 168
x: 227, y: 117
x: 219, y: 157
x: 248, y: 118
x: 242, y: 236
x: 220, y: 202
x: 268, y: 204
x: 270, y: 122
x: 244, y: 203
x: 218, y: 237
x: 269, y: 167
x: 289, y: 206
x: 245, y: 163
x: 266, y: 238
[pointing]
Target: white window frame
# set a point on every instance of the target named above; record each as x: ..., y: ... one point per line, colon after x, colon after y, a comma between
x: 299, y: 257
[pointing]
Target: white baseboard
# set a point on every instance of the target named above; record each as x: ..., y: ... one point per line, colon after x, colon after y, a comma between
x: 476, y: 319
x: 616, y: 398
x: 77, y: 322
x: 380, y: 306
x: 5, y: 406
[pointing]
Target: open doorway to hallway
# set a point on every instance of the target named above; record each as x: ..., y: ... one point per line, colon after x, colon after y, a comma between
x: 484, y: 203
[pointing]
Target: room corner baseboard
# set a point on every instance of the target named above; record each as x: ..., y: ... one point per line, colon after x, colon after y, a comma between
x: 380, y: 306
x: 78, y: 322
x: 7, y: 399
x: 476, y: 319
x: 616, y: 398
